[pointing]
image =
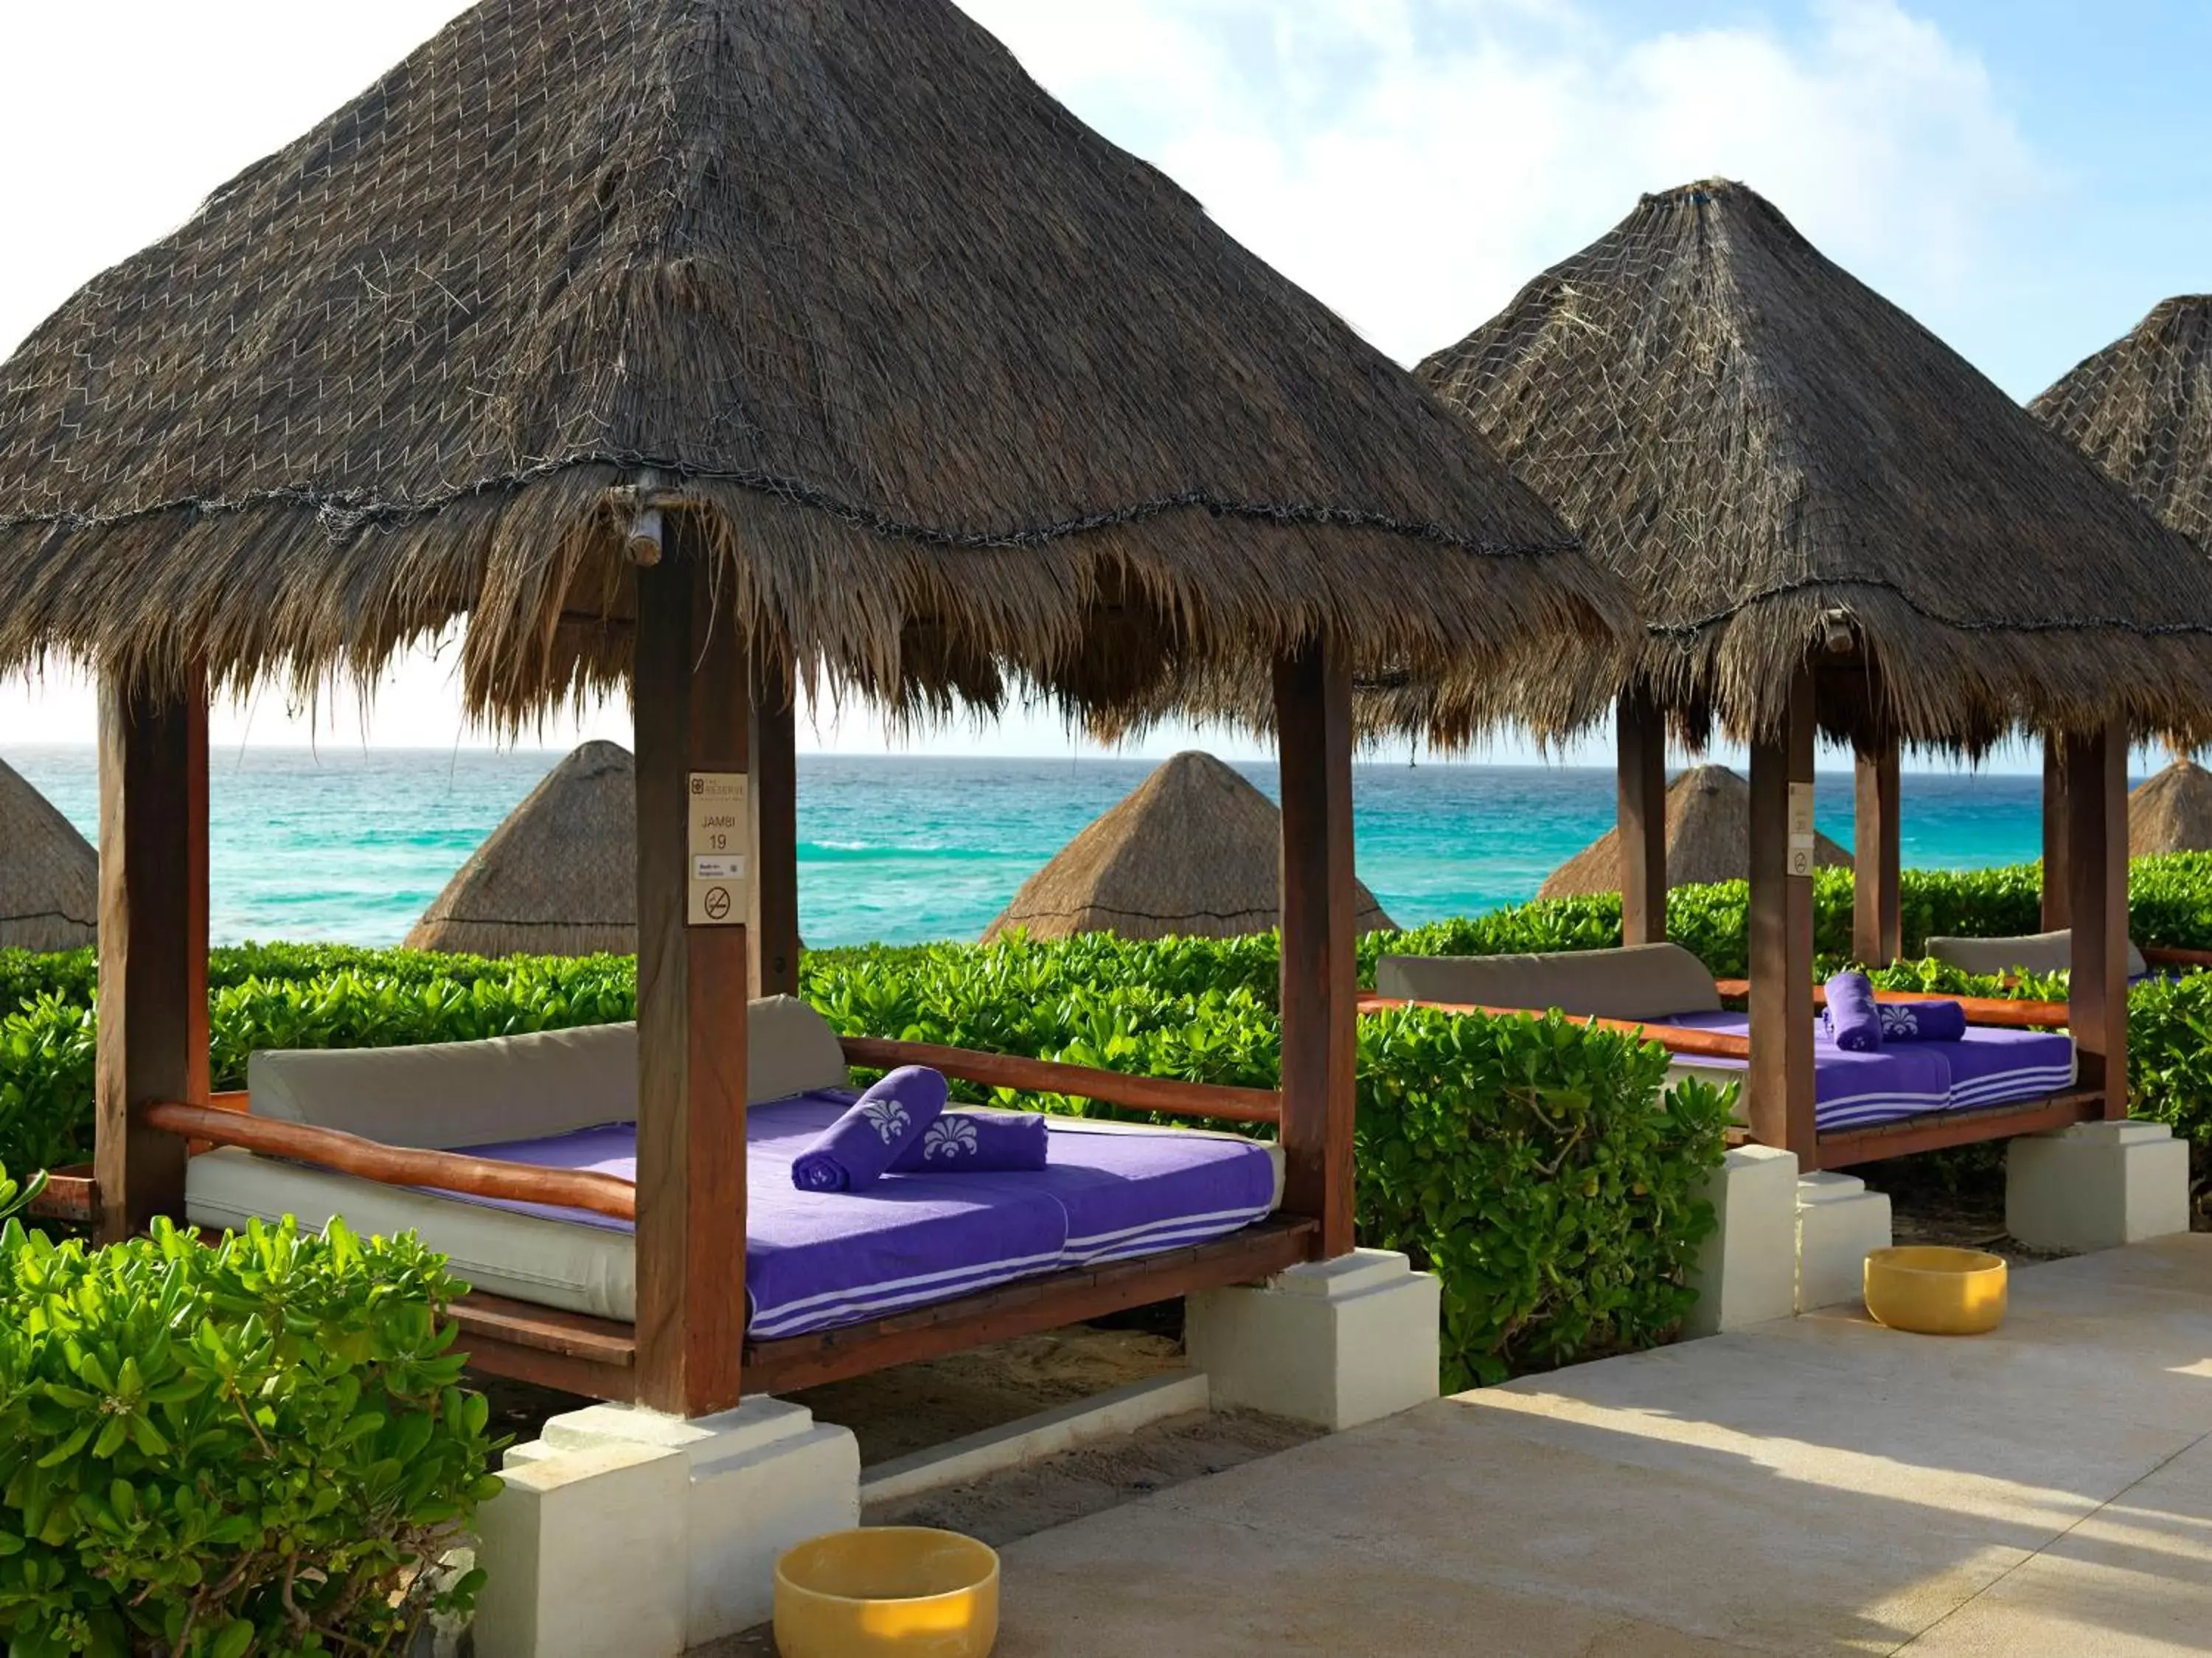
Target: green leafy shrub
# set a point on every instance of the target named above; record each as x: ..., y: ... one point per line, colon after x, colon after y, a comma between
x: 260, y: 1447
x: 2170, y: 1053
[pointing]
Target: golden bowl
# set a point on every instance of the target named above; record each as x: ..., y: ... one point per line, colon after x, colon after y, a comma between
x: 910, y: 1590
x: 1936, y: 1291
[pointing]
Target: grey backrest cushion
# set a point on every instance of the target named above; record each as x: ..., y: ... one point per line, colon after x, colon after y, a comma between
x: 2034, y: 953
x: 1637, y: 981
x: 445, y: 1094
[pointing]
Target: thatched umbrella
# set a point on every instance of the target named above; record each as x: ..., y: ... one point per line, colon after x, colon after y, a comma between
x: 2142, y: 408
x: 48, y: 874
x: 1193, y: 850
x: 962, y: 392
x: 2171, y: 811
x: 1786, y: 467
x: 557, y: 877
x: 1708, y: 839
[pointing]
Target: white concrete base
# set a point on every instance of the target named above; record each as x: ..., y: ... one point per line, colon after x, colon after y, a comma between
x: 1331, y: 1343
x: 1840, y: 1223
x: 2097, y: 1186
x: 1047, y: 1433
x: 622, y: 1530
x: 1746, y: 1270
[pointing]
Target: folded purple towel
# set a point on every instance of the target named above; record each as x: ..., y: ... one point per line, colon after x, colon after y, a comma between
x: 859, y: 1147
x: 977, y: 1143
x: 1923, y: 1022
x: 1854, y: 1017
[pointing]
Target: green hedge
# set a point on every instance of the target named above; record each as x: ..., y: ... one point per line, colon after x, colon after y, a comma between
x: 258, y: 1447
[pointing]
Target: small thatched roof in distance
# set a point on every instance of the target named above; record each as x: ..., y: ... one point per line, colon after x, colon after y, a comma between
x: 48, y: 874
x: 1193, y: 850
x: 1784, y: 466
x: 2171, y: 811
x: 557, y: 877
x: 955, y: 390
x: 1708, y: 839
x: 2142, y: 409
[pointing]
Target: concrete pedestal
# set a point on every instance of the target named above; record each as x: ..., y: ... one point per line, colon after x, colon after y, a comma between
x: 1331, y: 1343
x: 1746, y: 1270
x: 622, y: 1530
x: 1839, y: 1223
x: 2097, y: 1186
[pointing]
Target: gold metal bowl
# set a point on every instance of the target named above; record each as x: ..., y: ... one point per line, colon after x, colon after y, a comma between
x: 1934, y: 1291
x: 908, y: 1590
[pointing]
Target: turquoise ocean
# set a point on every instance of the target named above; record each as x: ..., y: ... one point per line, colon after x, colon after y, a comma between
x: 352, y: 846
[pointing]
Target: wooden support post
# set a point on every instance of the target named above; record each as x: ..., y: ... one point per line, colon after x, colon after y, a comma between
x: 775, y: 881
x: 2058, y: 883
x: 1319, y: 972
x: 153, y: 1003
x: 1780, y: 1079
x: 694, y: 688
x: 1877, y: 913
x: 1641, y: 820
x: 2096, y: 767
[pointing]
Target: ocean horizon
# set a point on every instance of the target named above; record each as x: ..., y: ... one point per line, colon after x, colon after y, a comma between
x: 351, y: 846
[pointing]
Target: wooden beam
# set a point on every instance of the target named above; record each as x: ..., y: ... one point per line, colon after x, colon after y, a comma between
x: 1166, y: 1094
x: 1640, y: 817
x: 1675, y: 1039
x: 775, y: 883
x: 1943, y: 1130
x: 152, y: 1004
x: 1320, y: 976
x: 1877, y: 909
x: 2057, y: 891
x: 694, y: 724
x: 2096, y: 794
x: 1780, y: 1103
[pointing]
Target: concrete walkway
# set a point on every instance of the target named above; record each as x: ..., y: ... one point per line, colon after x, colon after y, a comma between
x: 1816, y: 1485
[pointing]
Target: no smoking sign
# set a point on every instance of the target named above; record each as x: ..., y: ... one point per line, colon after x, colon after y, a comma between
x: 722, y: 838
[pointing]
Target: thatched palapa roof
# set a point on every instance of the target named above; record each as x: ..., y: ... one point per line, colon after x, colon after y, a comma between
x: 1785, y: 466
x: 962, y: 392
x: 557, y: 877
x: 1193, y: 850
x: 2142, y: 408
x: 48, y: 874
x: 1708, y: 839
x: 2171, y: 811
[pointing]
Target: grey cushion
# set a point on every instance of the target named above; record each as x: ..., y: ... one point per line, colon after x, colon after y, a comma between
x: 1637, y: 981
x: 518, y: 1087
x: 2034, y: 953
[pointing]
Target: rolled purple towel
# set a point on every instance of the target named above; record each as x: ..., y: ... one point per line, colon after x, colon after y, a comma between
x: 1923, y: 1022
x: 1854, y: 1017
x: 859, y: 1147
x: 977, y: 1143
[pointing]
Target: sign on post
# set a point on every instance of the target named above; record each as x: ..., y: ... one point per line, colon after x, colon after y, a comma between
x: 721, y: 844
x: 1801, y: 829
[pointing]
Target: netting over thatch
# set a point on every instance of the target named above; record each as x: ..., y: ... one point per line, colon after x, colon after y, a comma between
x: 1708, y: 839
x: 1786, y: 466
x: 962, y: 390
x: 2143, y: 409
x: 1192, y: 850
x: 2171, y: 811
x: 48, y: 874
x: 557, y: 877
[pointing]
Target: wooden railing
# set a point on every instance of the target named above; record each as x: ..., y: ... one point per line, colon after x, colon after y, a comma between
x: 1987, y: 1010
x: 1675, y: 1039
x: 2173, y: 955
x: 1113, y: 1087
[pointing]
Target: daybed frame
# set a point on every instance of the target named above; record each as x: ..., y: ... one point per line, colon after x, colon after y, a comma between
x: 701, y: 705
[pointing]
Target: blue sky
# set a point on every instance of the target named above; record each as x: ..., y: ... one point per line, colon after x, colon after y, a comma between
x: 2026, y: 178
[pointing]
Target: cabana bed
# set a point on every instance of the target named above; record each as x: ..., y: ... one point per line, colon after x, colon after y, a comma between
x: 649, y: 392
x: 1834, y: 525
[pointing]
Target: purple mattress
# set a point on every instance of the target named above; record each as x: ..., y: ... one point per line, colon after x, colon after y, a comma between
x: 815, y: 1259
x: 1912, y: 1079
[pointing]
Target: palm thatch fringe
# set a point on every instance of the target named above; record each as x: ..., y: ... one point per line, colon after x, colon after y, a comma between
x: 1195, y: 851
x: 1788, y: 469
x: 557, y: 877
x: 48, y: 874
x: 2142, y: 409
x: 1708, y: 839
x: 971, y: 401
